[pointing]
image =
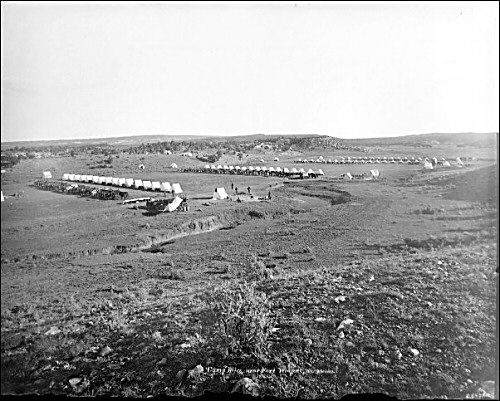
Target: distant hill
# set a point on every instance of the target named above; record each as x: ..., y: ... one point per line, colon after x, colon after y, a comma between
x: 140, y: 139
x: 462, y: 138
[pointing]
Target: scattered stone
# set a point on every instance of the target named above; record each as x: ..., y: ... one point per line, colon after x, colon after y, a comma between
x: 308, y: 342
x: 398, y: 355
x: 338, y: 299
x: 345, y: 323
x: 371, y: 278
x: 247, y: 386
x: 341, y: 334
x: 53, y: 331
x: 349, y: 344
x: 106, y: 351
x: 320, y: 319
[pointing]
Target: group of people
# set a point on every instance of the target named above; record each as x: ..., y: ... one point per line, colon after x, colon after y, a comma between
x: 249, y: 191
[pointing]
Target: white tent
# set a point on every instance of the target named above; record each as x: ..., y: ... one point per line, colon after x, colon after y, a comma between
x: 141, y: 166
x: 459, y: 162
x: 78, y: 177
x: 262, y: 160
x: 276, y: 159
x: 109, y: 180
x: 237, y: 168
x: 101, y: 180
x: 47, y: 174
x: 294, y: 171
x: 95, y: 179
x: 302, y: 170
x: 156, y: 186
x: 138, y: 184
x: 122, y: 182
x: 219, y: 167
x: 173, y: 165
x: 87, y: 178
x: 264, y: 168
x: 166, y: 187
x: 427, y: 165
x: 207, y: 166
x: 220, y: 193
x: 177, y: 188
x: 1, y: 193
x: 174, y: 204
x: 271, y: 169
x: 278, y: 169
x: 375, y: 173
x: 129, y: 182
x: 147, y: 185
x: 65, y: 177
x: 320, y: 172
x: 446, y: 164
x: 347, y: 176
x: 286, y: 171
x: 310, y: 171
x: 116, y: 181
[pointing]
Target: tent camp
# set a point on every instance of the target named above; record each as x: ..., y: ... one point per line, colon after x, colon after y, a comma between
x: 65, y: 177
x: 375, y: 174
x: 147, y: 185
x: 165, y: 186
x: 47, y: 174
x: 347, y: 176
x: 122, y: 182
x: 459, y: 162
x: 116, y: 181
x: 109, y: 180
x: 156, y: 186
x: 95, y: 179
x: 78, y: 177
x: 173, y: 165
x: 138, y: 184
x: 446, y: 164
x: 276, y: 159
x: 1, y: 193
x: 220, y: 193
x: 320, y: 172
x: 129, y: 182
x: 172, y: 206
x: 101, y: 180
x: 177, y: 188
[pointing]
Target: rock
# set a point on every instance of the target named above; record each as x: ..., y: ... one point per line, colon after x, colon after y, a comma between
x: 162, y: 362
x: 349, y: 344
x: 341, y: 334
x: 308, y: 342
x: 398, y: 355
x: 75, y: 381
x: 371, y: 278
x: 181, y: 374
x: 106, y: 351
x: 53, y: 331
x: 344, y: 323
x: 196, y: 371
x: 247, y: 386
x: 338, y: 299
x: 415, y: 352
x: 320, y: 319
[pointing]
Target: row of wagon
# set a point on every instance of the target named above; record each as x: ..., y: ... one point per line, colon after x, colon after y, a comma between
x: 126, y: 183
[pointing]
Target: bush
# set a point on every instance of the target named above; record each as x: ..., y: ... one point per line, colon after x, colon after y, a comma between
x: 242, y: 316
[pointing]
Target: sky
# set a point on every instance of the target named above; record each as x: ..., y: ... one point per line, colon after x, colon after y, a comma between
x: 349, y: 70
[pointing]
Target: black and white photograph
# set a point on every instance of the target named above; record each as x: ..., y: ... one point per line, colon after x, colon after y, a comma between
x: 293, y: 199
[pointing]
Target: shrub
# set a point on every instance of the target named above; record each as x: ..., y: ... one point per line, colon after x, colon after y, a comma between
x: 242, y: 316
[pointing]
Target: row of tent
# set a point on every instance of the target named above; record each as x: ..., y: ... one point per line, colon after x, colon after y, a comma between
x: 261, y: 170
x: 371, y: 160
x: 126, y: 182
